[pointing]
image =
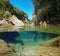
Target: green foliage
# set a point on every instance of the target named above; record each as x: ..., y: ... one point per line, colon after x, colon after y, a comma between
x: 20, y: 14
x: 1, y: 1
x: 48, y: 10
x: 6, y: 9
x: 7, y: 14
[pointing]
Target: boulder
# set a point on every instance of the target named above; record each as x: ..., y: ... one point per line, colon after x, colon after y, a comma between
x: 55, y: 42
x: 4, y: 49
x: 43, y: 24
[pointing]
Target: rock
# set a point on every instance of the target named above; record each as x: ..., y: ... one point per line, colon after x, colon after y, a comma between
x: 12, y: 21
x: 5, y: 23
x: 32, y: 24
x: 47, y: 51
x: 52, y: 43
x: 56, y: 42
x: 17, y: 48
x: 16, y: 21
x: 7, y: 6
x: 43, y: 24
x: 40, y: 51
x: 4, y: 49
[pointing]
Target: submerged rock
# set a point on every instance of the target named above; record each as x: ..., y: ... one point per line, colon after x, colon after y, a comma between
x: 47, y: 51
x: 39, y: 51
x: 55, y: 42
x: 4, y: 49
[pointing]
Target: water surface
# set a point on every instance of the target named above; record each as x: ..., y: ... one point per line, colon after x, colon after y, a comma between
x: 27, y: 38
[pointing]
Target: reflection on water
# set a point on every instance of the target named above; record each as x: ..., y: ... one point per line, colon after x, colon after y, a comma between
x: 26, y: 37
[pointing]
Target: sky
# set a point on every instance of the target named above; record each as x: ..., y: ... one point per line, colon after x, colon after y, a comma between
x: 24, y: 5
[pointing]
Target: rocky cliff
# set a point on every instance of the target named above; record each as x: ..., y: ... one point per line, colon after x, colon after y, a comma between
x: 47, y: 10
x: 7, y: 9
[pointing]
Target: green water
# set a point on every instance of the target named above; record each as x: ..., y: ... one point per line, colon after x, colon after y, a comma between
x: 49, y: 29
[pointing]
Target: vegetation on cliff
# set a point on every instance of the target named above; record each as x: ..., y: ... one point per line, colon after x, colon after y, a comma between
x: 47, y: 10
x: 7, y: 9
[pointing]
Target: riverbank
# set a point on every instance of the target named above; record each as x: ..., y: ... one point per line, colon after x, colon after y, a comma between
x: 5, y: 50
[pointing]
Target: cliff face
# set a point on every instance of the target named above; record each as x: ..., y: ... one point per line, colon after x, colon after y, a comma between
x: 47, y: 10
x: 6, y: 10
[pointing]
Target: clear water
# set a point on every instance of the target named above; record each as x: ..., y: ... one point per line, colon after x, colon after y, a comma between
x: 24, y: 42
x: 27, y: 38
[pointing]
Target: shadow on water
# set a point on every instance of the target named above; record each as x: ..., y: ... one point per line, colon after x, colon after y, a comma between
x: 10, y: 37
